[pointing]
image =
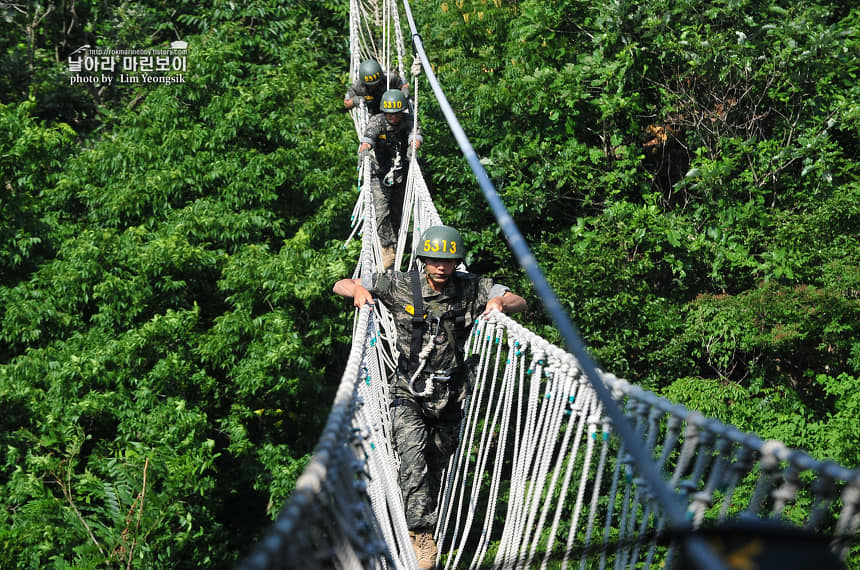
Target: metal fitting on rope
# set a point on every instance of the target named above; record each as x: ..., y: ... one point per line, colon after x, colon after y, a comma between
x: 394, y: 176
x: 430, y: 379
x: 428, y: 385
x: 433, y: 323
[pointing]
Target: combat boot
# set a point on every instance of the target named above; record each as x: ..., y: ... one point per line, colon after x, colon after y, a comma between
x: 425, y: 549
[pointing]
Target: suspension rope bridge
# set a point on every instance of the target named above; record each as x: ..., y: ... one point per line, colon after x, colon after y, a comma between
x: 560, y: 464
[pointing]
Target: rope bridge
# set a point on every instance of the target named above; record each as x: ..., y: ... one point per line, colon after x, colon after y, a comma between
x: 560, y: 465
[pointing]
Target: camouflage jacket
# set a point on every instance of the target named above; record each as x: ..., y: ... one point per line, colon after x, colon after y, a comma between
x: 394, y: 290
x: 387, y: 139
x: 373, y: 93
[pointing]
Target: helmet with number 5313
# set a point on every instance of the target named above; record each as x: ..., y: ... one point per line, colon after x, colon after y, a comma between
x: 441, y: 242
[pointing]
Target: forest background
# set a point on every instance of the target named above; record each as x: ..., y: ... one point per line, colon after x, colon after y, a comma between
x: 686, y: 173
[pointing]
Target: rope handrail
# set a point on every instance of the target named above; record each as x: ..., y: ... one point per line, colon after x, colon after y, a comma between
x: 779, y: 451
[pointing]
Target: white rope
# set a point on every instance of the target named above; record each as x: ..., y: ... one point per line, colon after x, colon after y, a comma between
x: 452, y: 490
x: 398, y: 38
x: 567, y: 399
x: 384, y: 56
x: 522, y: 461
x: 595, y: 494
x: 446, y: 490
x: 553, y: 406
x: 613, y: 491
x: 508, y: 386
x: 467, y: 444
x: 422, y: 362
x: 582, y: 409
x: 647, y: 503
x: 632, y: 510
x: 504, y: 542
x: 539, y: 469
x: 522, y: 445
x: 740, y: 467
x: 482, y: 452
x: 673, y: 430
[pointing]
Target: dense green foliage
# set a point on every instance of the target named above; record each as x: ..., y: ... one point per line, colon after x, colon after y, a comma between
x: 686, y: 172
x: 687, y: 175
x: 166, y: 346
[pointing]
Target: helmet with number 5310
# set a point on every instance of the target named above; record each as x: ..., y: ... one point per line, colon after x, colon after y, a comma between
x: 441, y: 242
x: 393, y: 101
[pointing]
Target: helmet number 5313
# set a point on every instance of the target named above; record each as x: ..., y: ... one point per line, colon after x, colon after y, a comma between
x: 433, y: 245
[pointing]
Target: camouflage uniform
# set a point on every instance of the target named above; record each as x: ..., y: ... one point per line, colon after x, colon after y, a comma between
x: 387, y: 140
x: 426, y: 429
x: 373, y: 93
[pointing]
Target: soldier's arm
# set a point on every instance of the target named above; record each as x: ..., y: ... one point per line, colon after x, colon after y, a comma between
x: 507, y: 303
x: 415, y: 138
x: 352, y: 288
x: 369, y: 136
x: 349, y: 99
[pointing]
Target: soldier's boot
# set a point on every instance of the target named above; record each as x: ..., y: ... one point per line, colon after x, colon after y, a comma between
x: 388, y: 253
x: 425, y: 549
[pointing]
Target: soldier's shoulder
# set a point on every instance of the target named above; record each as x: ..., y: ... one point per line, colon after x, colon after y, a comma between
x: 377, y: 120
x: 466, y: 276
x: 393, y: 279
x: 476, y: 284
x: 469, y: 280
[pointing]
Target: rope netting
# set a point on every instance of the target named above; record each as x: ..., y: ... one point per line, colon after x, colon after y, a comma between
x: 543, y: 477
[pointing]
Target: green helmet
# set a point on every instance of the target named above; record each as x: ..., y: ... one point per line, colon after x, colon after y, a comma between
x: 441, y: 242
x: 393, y: 101
x: 370, y: 72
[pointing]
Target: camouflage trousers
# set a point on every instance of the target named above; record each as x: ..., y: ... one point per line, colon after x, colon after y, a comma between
x: 424, y: 445
x: 387, y: 201
x: 388, y: 205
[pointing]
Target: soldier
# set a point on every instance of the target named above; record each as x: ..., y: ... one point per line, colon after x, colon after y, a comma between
x: 389, y: 135
x: 370, y: 86
x: 434, y: 311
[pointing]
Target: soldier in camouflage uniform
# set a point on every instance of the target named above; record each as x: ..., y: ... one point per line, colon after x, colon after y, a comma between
x: 387, y: 138
x: 432, y: 376
x: 370, y: 86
